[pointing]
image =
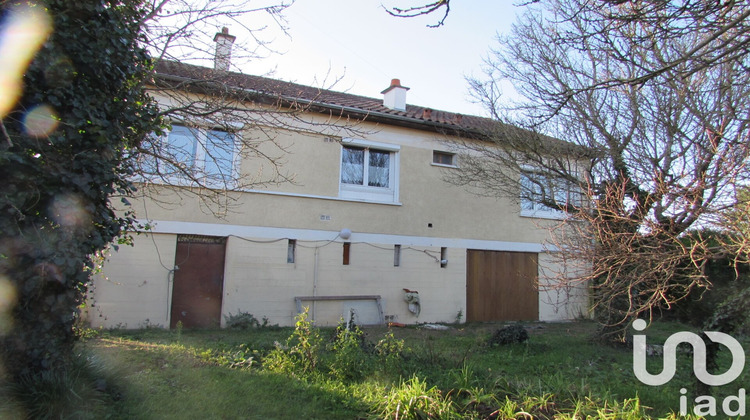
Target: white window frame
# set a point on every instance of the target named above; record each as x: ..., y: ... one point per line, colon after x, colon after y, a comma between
x: 537, y: 209
x: 365, y: 192
x: 200, y: 139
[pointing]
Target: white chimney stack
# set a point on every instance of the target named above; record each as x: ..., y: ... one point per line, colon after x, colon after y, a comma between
x: 395, y: 96
x: 223, y: 55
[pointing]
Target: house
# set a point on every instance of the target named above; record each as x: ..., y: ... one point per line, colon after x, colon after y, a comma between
x: 365, y: 226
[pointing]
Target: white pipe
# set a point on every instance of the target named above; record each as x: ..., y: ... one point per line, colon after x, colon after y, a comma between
x: 315, y: 280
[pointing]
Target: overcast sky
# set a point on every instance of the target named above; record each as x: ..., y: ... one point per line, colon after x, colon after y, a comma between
x: 358, y: 40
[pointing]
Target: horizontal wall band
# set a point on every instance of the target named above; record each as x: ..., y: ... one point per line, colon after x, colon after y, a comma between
x: 319, y: 197
x: 261, y: 232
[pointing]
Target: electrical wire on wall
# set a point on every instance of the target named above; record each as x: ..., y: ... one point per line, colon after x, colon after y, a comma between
x: 170, y: 271
x: 316, y: 254
x: 318, y: 243
x: 315, y: 245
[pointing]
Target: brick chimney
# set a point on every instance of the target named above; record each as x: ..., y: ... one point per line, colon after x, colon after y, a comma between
x: 223, y: 55
x: 395, y: 96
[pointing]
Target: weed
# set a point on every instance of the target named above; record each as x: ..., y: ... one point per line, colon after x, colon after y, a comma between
x: 390, y: 352
x: 148, y: 325
x: 84, y: 333
x: 531, y: 407
x: 351, y: 357
x: 469, y: 394
x: 300, y: 355
x: 629, y: 409
x: 413, y: 399
x: 559, y: 374
x: 236, y: 358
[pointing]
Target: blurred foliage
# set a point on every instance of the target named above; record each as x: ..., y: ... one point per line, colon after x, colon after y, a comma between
x: 56, y: 199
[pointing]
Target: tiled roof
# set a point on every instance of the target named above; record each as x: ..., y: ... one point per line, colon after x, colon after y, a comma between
x: 346, y: 103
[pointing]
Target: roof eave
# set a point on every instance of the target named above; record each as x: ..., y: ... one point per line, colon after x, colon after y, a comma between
x: 342, y: 110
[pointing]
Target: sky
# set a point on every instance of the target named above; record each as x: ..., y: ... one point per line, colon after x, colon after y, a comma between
x: 357, y: 41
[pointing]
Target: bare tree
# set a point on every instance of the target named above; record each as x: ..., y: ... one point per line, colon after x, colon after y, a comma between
x: 736, y: 225
x: 180, y: 30
x: 716, y: 32
x: 422, y: 10
x: 719, y: 32
x: 216, y: 117
x: 643, y: 163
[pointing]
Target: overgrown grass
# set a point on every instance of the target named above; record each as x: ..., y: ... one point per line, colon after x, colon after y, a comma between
x: 405, y: 373
x: 87, y: 389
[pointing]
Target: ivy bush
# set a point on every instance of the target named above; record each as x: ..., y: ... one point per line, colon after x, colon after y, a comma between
x: 56, y: 209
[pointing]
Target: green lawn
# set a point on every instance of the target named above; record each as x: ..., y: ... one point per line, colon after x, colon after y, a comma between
x: 560, y: 372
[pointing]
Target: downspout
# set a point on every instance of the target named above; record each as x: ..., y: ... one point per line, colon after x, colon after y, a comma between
x: 315, y: 281
x: 170, y: 280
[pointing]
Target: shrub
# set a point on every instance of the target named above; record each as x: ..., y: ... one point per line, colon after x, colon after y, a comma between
x: 246, y: 321
x: 727, y: 281
x: 241, y: 321
x: 509, y: 335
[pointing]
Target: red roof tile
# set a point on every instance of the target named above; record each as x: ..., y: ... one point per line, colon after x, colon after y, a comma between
x: 346, y: 103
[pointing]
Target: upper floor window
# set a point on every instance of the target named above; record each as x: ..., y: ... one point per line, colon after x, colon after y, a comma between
x: 189, y: 153
x: 369, y: 171
x: 365, y: 167
x: 443, y: 158
x: 540, y: 191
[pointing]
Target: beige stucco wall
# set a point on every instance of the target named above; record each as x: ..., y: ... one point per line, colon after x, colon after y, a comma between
x: 424, y: 197
x: 261, y: 282
x: 561, y: 295
x: 133, y: 290
x: 429, y: 214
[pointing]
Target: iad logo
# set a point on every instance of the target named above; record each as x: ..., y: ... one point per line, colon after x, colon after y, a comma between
x: 708, y: 403
x: 699, y: 357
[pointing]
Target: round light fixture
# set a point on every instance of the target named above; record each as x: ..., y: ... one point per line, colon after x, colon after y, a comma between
x: 345, y: 233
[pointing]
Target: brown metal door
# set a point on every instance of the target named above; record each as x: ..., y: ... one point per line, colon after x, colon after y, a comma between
x: 501, y: 286
x: 198, y: 282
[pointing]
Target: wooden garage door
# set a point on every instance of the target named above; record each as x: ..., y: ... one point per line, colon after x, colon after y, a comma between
x: 198, y: 282
x: 501, y: 286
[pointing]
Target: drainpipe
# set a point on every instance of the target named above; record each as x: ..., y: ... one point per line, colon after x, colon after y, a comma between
x: 315, y: 281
